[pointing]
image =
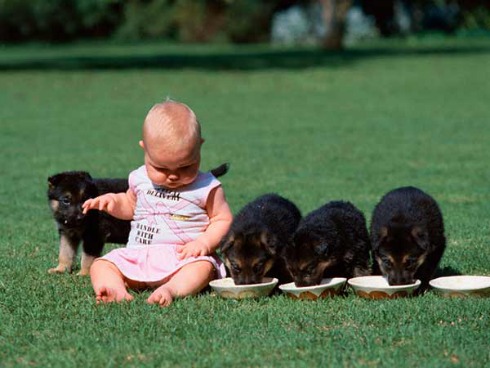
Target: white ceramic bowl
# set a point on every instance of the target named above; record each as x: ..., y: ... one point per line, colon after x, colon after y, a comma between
x: 377, y: 287
x: 462, y: 286
x: 226, y: 288
x: 328, y: 287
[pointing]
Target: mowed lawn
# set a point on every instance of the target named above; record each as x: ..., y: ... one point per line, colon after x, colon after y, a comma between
x: 308, y: 125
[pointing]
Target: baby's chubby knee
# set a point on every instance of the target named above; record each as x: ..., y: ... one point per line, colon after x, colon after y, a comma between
x: 202, y: 271
x: 102, y: 266
x: 97, y: 264
x: 211, y: 272
x: 207, y: 269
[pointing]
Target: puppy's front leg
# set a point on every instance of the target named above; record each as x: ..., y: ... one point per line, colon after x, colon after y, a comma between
x: 68, y: 251
x: 87, y: 261
x: 93, y: 244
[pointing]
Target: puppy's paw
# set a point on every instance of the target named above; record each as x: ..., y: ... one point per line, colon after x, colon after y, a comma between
x: 83, y: 272
x: 59, y: 269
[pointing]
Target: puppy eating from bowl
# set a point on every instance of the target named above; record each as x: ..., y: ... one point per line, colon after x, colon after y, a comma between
x: 407, y: 236
x: 252, y: 247
x: 332, y: 241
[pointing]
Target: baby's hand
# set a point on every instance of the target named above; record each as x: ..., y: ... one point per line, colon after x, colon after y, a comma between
x: 104, y: 202
x: 192, y: 249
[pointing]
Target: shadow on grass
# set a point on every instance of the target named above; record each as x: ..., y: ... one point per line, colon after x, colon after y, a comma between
x: 447, y: 271
x: 240, y: 60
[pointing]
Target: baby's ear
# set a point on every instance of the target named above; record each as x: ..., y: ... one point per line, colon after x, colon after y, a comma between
x: 142, y: 144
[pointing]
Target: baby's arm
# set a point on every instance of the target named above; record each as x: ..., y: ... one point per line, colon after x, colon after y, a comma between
x: 120, y: 205
x: 220, y: 218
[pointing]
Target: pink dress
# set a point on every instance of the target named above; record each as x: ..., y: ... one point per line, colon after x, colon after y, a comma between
x: 163, y: 219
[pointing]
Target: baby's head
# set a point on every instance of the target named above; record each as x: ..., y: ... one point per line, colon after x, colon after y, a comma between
x: 172, y: 144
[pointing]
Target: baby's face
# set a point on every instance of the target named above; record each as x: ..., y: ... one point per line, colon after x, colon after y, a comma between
x: 172, y: 169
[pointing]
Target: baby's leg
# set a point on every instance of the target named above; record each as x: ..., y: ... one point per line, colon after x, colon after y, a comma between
x: 189, y: 280
x: 108, y: 282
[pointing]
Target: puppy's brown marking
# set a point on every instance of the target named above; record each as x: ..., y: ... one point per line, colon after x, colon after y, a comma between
x: 54, y: 204
x: 67, y: 253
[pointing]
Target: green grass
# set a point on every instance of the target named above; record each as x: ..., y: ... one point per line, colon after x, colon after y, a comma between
x: 310, y: 125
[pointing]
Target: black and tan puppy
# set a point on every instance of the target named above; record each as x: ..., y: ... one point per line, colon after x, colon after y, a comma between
x: 67, y: 191
x: 407, y: 236
x: 252, y: 247
x: 331, y: 241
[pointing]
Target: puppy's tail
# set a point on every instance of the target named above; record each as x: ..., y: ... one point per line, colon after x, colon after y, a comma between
x: 220, y: 170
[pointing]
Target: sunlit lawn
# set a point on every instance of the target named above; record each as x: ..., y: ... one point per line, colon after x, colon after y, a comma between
x: 311, y: 126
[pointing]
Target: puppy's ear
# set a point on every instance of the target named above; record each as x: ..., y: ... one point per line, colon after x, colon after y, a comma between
x: 421, y: 236
x: 83, y: 175
x: 227, y: 242
x: 269, y: 240
x: 382, y: 237
x: 321, y: 249
x: 288, y: 246
x: 383, y: 233
x: 54, y: 180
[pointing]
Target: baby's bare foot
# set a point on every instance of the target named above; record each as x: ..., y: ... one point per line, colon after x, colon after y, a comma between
x: 161, y: 296
x: 109, y: 295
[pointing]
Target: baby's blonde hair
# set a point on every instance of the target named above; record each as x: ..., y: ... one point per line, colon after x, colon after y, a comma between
x: 172, y: 123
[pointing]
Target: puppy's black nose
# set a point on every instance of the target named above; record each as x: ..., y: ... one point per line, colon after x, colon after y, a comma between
x: 400, y: 280
x: 247, y: 281
x: 299, y: 282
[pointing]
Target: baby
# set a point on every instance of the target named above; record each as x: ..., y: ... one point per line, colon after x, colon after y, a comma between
x: 179, y: 216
